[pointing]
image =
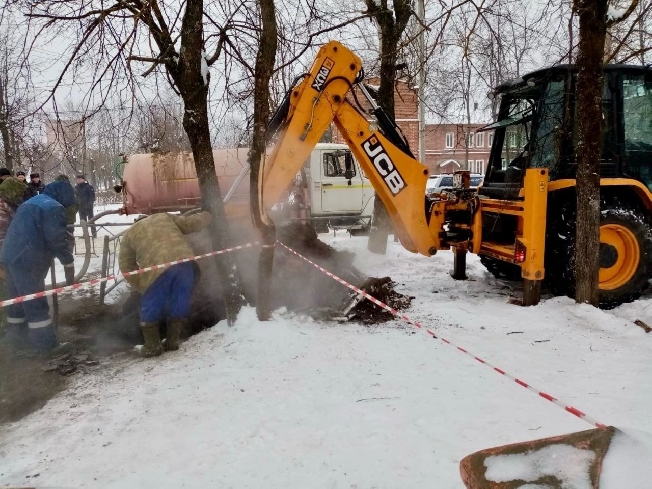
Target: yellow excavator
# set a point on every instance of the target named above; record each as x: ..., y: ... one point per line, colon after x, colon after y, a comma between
x: 521, y: 221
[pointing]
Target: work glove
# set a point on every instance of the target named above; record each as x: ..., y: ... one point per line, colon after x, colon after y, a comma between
x: 70, y: 275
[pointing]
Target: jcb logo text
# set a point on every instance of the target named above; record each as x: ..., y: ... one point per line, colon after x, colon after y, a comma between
x: 322, y: 74
x: 384, y: 165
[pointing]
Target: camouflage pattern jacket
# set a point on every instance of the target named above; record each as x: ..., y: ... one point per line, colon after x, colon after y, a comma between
x: 11, y: 196
x: 157, y: 239
x: 6, y: 215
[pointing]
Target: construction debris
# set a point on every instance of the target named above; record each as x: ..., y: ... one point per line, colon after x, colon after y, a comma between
x: 70, y: 363
x: 298, y: 286
x: 643, y: 325
x: 383, y: 290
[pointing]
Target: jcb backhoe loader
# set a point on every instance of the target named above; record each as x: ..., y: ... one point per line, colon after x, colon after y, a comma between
x: 522, y: 217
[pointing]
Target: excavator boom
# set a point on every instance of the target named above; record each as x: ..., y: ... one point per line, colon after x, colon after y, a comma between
x: 398, y: 179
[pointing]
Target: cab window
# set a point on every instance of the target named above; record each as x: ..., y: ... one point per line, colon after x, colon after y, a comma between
x: 339, y: 164
x: 637, y: 121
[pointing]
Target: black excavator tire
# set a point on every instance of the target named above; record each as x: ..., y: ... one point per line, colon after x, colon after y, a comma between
x: 560, y: 251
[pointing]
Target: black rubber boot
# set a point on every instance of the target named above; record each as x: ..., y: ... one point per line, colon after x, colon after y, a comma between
x: 152, y: 337
x: 175, y: 326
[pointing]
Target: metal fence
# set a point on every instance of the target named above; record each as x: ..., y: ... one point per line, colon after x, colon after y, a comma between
x: 84, y: 245
x: 110, y: 264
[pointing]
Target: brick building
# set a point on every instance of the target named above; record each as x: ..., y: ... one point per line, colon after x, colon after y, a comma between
x: 445, y: 143
x: 446, y: 147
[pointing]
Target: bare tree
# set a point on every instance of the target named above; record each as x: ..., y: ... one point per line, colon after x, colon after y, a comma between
x: 631, y: 39
x: 391, y: 23
x: 263, y: 72
x: 593, y: 23
x: 167, y: 38
x: 15, y: 90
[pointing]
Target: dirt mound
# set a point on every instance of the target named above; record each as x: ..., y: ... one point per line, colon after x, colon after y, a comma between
x: 300, y: 286
x: 383, y: 290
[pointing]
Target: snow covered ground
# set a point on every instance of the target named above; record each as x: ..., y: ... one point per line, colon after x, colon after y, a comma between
x: 298, y: 403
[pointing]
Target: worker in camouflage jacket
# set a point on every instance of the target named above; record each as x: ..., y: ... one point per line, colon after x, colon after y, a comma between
x: 11, y: 196
x: 37, y: 234
x: 165, y: 292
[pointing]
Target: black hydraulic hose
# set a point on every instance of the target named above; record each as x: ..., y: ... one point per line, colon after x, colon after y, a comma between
x: 391, y: 131
x: 282, y: 110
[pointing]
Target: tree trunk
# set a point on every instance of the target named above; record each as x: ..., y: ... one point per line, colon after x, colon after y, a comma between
x: 263, y: 72
x: 390, y: 30
x: 592, y: 33
x: 4, y: 126
x: 380, y: 227
x: 193, y: 86
x: 6, y: 141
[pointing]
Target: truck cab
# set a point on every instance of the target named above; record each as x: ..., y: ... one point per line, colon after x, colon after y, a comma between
x: 330, y: 190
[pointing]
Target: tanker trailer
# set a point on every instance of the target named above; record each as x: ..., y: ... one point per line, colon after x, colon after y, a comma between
x: 167, y: 182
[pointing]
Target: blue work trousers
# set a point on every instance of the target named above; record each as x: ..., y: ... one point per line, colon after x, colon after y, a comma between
x: 169, y: 295
x: 34, y: 314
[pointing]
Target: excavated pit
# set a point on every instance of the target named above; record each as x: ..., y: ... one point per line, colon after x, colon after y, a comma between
x: 296, y: 285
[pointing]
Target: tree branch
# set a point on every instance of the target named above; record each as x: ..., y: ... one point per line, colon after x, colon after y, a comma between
x: 624, y: 15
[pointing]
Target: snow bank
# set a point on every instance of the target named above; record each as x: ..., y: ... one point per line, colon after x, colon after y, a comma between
x: 628, y: 462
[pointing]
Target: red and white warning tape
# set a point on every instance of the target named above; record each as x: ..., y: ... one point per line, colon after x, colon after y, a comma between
x: 95, y: 281
x: 566, y: 407
x: 540, y: 393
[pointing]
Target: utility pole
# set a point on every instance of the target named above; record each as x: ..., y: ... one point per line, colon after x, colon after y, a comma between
x: 422, y: 83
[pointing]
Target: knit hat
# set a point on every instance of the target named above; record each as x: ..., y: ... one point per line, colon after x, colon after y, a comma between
x: 12, y: 190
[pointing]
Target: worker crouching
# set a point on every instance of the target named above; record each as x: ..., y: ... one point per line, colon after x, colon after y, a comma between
x: 166, y: 293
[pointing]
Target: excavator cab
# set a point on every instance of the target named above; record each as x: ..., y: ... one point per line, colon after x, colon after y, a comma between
x: 537, y: 129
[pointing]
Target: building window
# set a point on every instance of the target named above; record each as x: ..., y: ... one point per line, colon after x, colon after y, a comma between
x: 469, y: 136
x: 491, y: 139
x: 512, y: 139
x: 503, y: 163
x: 450, y: 140
x: 469, y: 165
x: 479, y: 140
x: 479, y: 166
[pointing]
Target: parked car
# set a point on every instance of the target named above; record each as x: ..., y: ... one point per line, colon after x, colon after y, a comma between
x: 443, y: 182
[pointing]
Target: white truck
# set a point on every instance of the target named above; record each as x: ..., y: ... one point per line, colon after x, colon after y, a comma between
x: 329, y: 191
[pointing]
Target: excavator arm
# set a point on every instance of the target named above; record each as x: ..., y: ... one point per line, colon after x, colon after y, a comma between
x: 321, y: 99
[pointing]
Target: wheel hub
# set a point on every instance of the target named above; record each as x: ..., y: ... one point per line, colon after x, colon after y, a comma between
x: 619, y: 256
x: 608, y: 255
